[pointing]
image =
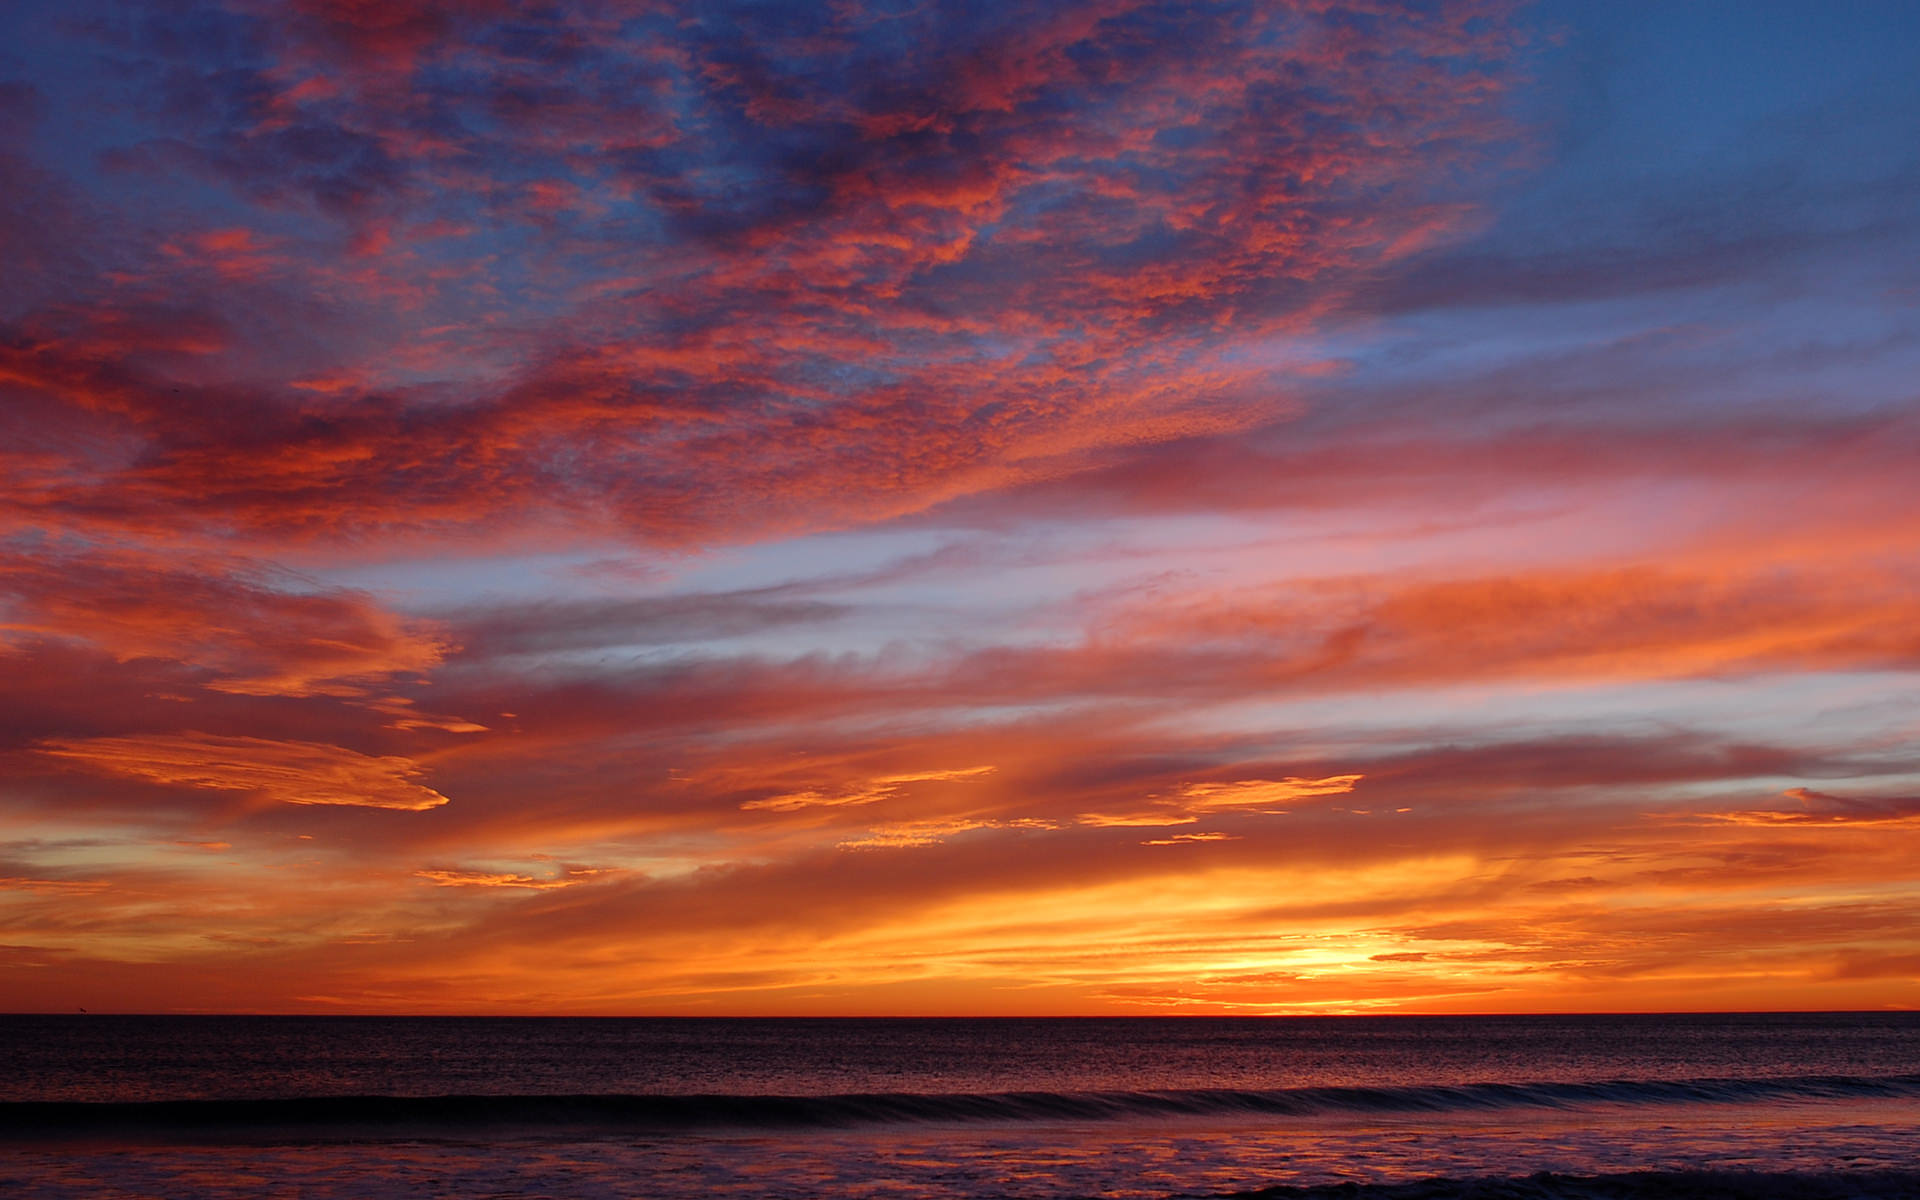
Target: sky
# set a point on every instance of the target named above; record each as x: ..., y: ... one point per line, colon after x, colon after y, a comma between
x: 867, y: 507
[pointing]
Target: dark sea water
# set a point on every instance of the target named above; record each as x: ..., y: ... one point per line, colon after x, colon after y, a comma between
x: 1404, y: 1107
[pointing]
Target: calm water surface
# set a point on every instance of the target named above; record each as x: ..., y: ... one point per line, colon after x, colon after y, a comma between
x: 168, y: 1106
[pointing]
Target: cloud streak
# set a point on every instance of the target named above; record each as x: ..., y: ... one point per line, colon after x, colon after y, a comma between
x: 273, y: 772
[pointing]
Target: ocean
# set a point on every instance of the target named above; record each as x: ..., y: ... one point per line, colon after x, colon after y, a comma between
x: 1407, y: 1108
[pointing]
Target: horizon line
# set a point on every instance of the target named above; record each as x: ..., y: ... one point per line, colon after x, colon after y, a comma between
x: 512, y: 1016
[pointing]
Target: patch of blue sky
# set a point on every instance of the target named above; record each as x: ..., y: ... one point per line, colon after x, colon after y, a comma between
x: 1701, y: 95
x: 440, y: 582
x: 89, y: 115
x: 1681, y: 79
x: 1543, y: 525
x: 1861, y: 713
x: 1703, y: 351
x: 853, y: 566
x: 820, y: 561
x: 1294, y: 352
x: 1694, y: 149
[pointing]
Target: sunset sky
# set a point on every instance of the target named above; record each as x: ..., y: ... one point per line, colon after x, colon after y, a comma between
x: 864, y: 507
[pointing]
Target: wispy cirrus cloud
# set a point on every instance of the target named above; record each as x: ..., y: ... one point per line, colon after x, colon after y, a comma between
x: 866, y: 792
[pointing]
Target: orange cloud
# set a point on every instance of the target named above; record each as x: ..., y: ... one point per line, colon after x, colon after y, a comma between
x: 906, y: 834
x: 451, y: 877
x: 870, y: 792
x: 1194, y: 800
x: 278, y: 772
x: 1257, y: 793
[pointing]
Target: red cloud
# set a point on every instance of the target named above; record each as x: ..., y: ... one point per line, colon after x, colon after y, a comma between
x: 945, y: 283
x: 242, y: 631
